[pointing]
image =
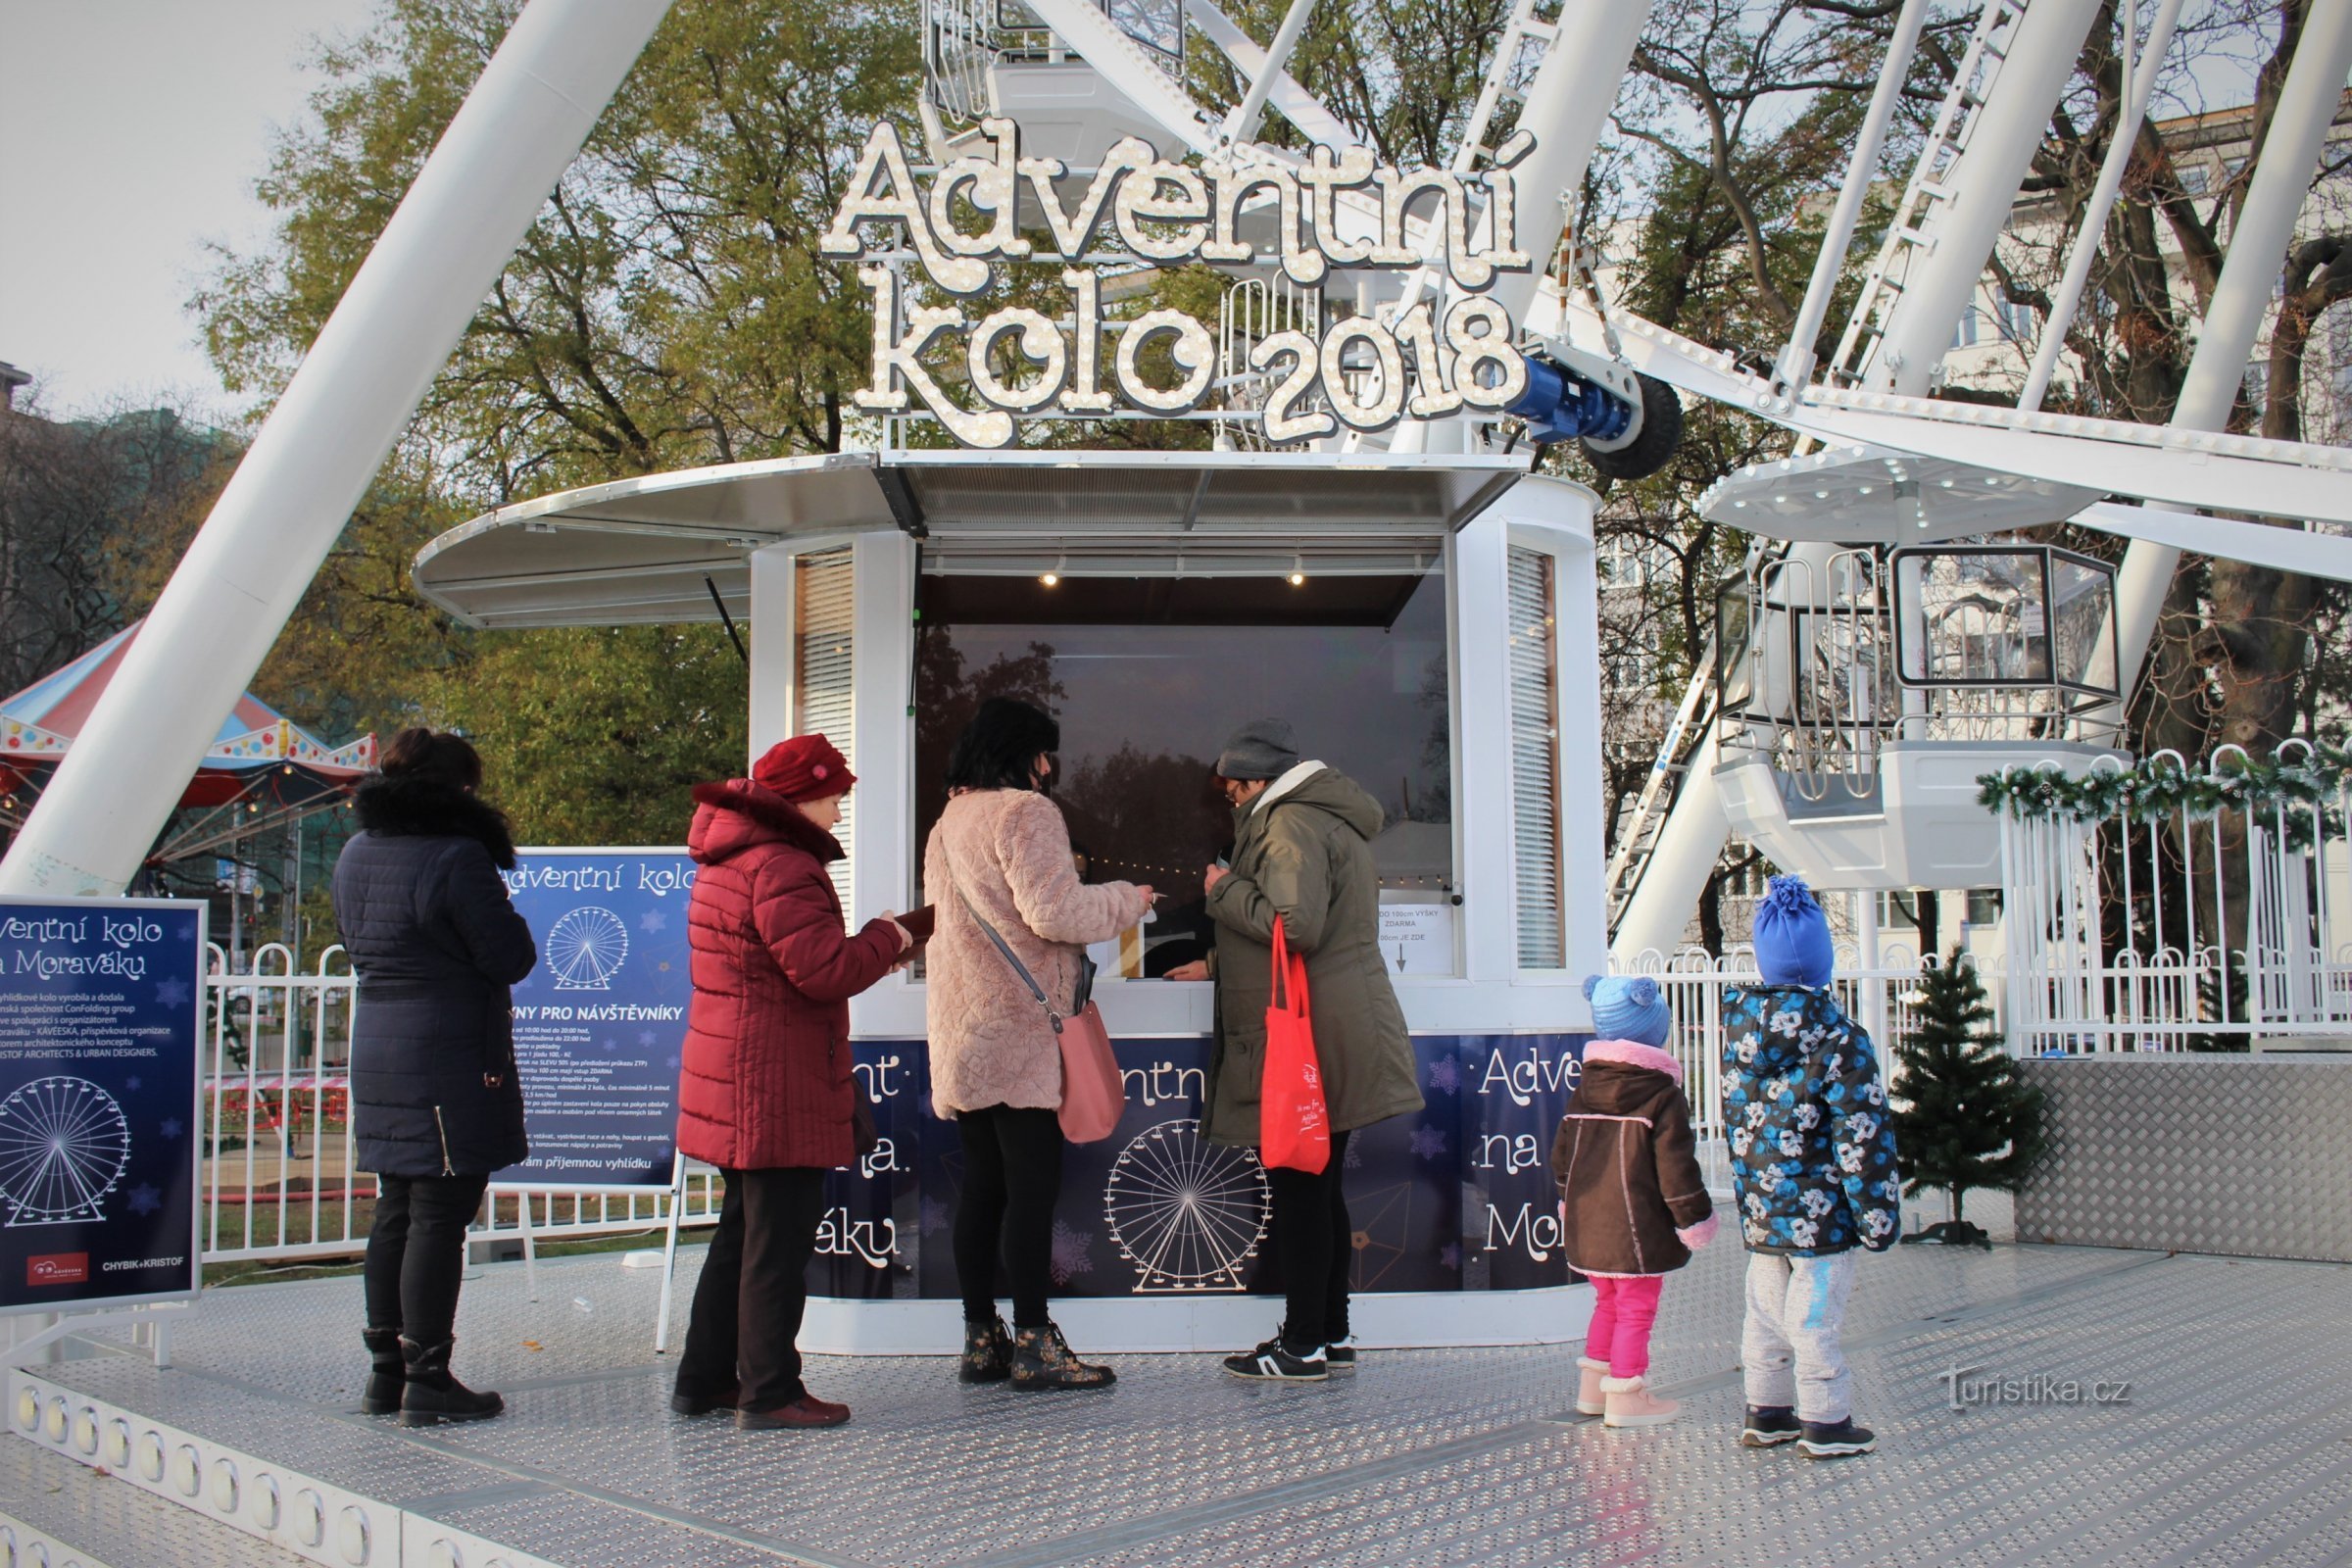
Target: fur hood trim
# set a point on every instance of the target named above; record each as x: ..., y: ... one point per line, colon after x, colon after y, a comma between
x: 1633, y: 1054
x: 395, y: 805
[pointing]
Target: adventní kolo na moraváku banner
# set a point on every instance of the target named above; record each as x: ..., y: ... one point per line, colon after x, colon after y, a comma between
x: 101, y: 1046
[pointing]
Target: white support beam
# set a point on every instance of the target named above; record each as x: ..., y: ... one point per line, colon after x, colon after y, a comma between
x: 2091, y: 224
x: 323, y: 442
x: 1290, y: 100
x: 1242, y: 125
x: 2260, y: 544
x: 2307, y: 104
x: 1795, y: 366
x: 2001, y: 142
x: 1128, y: 70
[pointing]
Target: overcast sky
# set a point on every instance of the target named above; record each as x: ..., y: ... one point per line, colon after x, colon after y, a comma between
x: 131, y: 133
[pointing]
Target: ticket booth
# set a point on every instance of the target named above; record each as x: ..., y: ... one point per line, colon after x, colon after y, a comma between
x: 1425, y: 620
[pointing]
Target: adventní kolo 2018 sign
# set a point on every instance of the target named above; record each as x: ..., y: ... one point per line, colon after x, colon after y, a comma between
x: 101, y: 1010
x: 1332, y: 208
x: 600, y: 1023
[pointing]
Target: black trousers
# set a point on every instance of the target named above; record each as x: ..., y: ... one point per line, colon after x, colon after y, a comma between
x: 747, y: 1311
x: 1313, y: 1248
x: 416, y: 1252
x: 1011, y: 1180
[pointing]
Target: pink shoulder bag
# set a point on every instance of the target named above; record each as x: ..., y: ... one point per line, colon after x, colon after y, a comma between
x: 1094, y: 1094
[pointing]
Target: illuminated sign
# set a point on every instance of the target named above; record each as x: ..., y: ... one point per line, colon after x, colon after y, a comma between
x: 1333, y: 210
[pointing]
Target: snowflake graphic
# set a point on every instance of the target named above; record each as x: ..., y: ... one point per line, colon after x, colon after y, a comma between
x: 935, y: 1216
x: 645, y: 1037
x: 652, y: 920
x: 1073, y: 1253
x: 131, y: 1083
x: 1445, y: 1075
x: 611, y: 1045
x: 676, y: 1060
x: 145, y: 1200
x: 1451, y: 1255
x: 1427, y: 1143
x: 172, y: 994
x: 169, y: 1129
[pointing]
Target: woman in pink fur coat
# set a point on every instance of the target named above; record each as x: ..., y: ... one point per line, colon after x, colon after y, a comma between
x: 1001, y: 852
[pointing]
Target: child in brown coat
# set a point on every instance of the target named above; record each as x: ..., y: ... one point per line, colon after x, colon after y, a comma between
x: 1633, y: 1205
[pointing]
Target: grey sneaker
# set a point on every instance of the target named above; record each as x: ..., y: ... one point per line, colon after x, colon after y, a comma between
x: 1341, y: 1355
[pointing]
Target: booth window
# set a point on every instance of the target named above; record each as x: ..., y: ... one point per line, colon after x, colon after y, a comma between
x: 1148, y: 676
x: 1536, y: 758
x: 825, y: 643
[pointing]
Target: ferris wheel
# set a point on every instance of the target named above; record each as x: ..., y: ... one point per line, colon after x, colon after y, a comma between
x: 585, y: 949
x: 64, y: 1145
x: 1188, y: 1213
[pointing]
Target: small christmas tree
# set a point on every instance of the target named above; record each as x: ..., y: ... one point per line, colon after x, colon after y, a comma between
x: 1963, y: 1117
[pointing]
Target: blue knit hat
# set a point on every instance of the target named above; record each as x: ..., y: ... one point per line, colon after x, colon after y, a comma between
x: 1629, y: 1007
x: 1792, y: 936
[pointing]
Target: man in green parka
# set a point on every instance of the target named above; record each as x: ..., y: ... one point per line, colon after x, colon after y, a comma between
x: 1303, y: 848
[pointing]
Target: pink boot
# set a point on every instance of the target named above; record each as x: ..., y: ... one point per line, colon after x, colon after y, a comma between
x: 1628, y: 1402
x: 1589, y: 1374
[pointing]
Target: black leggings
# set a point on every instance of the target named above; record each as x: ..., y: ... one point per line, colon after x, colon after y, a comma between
x: 1313, y: 1247
x: 1011, y: 1180
x: 416, y: 1252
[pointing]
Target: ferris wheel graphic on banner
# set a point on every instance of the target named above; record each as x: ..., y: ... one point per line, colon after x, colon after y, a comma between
x: 64, y: 1145
x: 1188, y: 1213
x: 585, y: 949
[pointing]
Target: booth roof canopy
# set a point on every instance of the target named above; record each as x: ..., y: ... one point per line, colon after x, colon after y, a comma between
x: 654, y: 549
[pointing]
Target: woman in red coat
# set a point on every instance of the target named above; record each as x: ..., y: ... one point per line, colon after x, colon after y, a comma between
x: 764, y: 1091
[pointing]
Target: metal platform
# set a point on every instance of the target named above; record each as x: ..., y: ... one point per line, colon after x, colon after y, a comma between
x: 2234, y: 1445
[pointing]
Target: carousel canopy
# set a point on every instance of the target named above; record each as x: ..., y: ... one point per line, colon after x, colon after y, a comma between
x: 262, y: 769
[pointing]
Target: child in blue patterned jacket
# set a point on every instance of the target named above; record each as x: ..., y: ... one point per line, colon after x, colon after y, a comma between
x: 1813, y: 1176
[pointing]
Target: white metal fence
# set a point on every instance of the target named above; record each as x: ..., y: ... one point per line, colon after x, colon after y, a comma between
x: 2207, y: 926
x: 279, y: 1179
x: 1878, y: 996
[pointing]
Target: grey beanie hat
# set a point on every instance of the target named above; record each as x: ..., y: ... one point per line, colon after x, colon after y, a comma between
x: 1260, y: 749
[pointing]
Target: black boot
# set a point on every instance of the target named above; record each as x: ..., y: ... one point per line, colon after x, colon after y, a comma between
x: 385, y: 1378
x: 432, y: 1395
x: 987, y: 1352
x: 1043, y: 1359
x: 1835, y: 1439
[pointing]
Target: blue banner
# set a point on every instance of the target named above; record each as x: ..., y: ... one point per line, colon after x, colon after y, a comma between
x: 1458, y: 1197
x: 600, y: 1024
x: 100, y: 1002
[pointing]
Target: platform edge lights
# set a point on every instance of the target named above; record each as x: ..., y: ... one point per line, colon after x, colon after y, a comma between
x: 1462, y: 352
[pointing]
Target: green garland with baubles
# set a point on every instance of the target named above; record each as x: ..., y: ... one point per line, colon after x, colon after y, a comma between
x: 2160, y: 786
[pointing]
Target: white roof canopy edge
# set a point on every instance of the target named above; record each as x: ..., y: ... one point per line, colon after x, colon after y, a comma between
x: 655, y: 549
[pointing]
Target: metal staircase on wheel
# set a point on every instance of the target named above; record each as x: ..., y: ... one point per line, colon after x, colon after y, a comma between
x: 1927, y: 193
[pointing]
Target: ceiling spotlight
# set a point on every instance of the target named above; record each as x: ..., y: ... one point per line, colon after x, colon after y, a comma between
x: 1053, y: 579
x: 1298, y: 571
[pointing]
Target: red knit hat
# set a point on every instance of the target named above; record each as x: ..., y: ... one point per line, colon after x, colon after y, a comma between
x: 805, y: 768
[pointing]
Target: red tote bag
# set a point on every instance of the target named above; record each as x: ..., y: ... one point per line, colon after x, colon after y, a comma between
x: 1294, y: 1122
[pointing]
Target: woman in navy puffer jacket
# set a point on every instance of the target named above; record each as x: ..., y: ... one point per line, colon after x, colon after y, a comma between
x: 765, y: 1090
x: 435, y: 1101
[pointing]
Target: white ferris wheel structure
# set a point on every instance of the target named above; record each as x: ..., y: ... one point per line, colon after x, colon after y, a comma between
x: 1875, y: 461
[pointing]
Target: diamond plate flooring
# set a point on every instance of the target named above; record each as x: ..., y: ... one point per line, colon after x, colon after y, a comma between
x: 2233, y: 1444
